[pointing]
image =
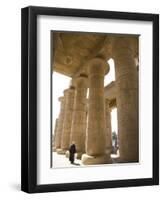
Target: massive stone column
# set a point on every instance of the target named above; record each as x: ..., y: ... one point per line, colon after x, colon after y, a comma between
x: 127, y: 99
x: 54, y: 135
x: 78, y: 129
x: 108, y: 127
x: 65, y: 141
x: 96, y: 127
x: 58, y: 134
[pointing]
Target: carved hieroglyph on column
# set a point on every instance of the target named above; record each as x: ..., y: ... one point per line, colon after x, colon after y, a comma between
x: 96, y: 127
x: 65, y: 141
x: 127, y: 99
x: 108, y: 128
x: 78, y: 129
x: 54, y: 135
x: 58, y: 134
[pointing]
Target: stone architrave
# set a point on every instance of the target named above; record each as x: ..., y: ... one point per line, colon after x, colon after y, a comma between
x: 127, y: 99
x: 96, y: 127
x: 108, y: 127
x: 65, y: 140
x: 78, y: 128
x: 58, y: 134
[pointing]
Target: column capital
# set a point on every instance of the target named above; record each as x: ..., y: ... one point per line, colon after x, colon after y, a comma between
x: 61, y: 99
x: 80, y: 81
x: 69, y: 90
x: 97, y: 66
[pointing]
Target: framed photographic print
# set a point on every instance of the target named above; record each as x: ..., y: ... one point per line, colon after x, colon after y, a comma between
x: 90, y: 99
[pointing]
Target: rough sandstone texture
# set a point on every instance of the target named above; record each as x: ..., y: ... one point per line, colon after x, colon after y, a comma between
x: 96, y: 127
x: 78, y: 128
x: 57, y: 143
x: 127, y: 99
x: 83, y: 57
x: 54, y: 135
x: 67, y: 122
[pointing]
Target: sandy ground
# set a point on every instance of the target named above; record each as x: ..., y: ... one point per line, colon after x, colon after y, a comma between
x: 62, y: 161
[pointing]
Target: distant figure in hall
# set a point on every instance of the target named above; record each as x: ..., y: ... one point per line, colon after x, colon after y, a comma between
x: 72, y: 151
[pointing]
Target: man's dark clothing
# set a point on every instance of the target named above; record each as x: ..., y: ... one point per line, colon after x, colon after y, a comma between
x: 72, y: 151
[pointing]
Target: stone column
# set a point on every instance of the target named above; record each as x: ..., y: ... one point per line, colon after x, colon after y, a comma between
x: 58, y: 135
x: 65, y: 141
x: 54, y: 135
x: 78, y: 129
x: 96, y: 127
x: 127, y: 99
x: 108, y: 128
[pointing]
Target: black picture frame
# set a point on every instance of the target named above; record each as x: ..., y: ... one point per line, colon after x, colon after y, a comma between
x: 29, y: 98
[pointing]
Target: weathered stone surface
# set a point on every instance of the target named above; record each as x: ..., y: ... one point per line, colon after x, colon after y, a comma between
x: 58, y: 136
x: 96, y: 127
x: 65, y: 141
x: 110, y: 91
x: 77, y: 54
x: 72, y: 50
x: 78, y: 129
x: 54, y: 135
x: 127, y: 100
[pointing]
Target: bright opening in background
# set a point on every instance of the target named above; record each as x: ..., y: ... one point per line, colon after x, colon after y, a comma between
x: 60, y: 82
x: 87, y: 93
x: 111, y: 75
x: 114, y: 124
x: 114, y: 121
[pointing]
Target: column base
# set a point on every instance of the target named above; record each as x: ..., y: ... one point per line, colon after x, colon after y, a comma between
x: 121, y: 160
x: 61, y: 151
x: 53, y: 149
x: 67, y: 154
x: 108, y: 151
x: 93, y: 160
x: 127, y: 158
x: 79, y: 155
